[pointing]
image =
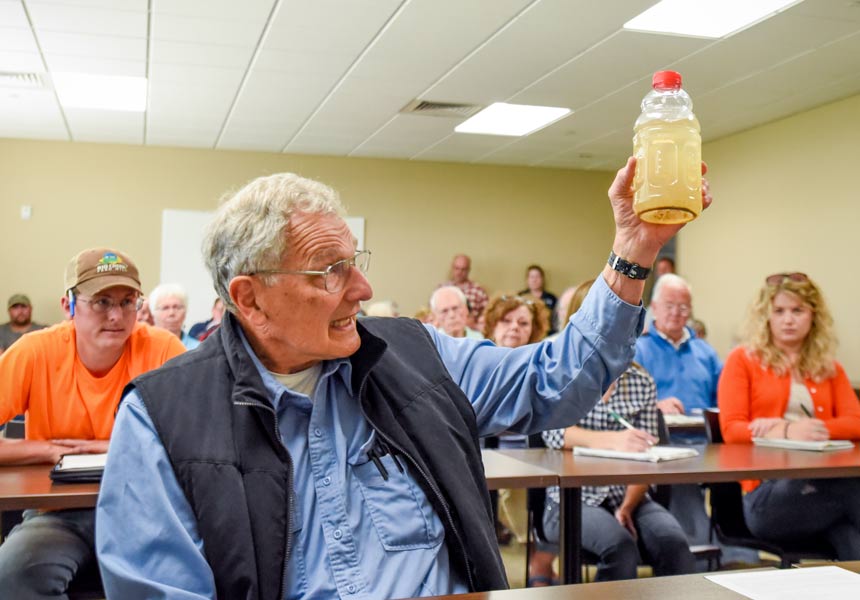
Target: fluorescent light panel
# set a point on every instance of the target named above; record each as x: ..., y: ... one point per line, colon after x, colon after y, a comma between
x: 511, y: 119
x: 706, y: 18
x: 107, y: 92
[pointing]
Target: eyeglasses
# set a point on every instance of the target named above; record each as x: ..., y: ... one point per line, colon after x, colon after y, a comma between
x: 778, y: 278
x: 103, y: 305
x: 519, y: 299
x: 170, y: 307
x: 335, y: 275
x: 683, y: 309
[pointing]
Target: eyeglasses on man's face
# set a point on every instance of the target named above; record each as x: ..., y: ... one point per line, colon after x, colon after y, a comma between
x: 103, y: 304
x: 682, y: 309
x: 335, y: 275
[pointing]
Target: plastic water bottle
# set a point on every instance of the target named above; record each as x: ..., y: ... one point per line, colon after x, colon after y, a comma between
x: 667, y: 145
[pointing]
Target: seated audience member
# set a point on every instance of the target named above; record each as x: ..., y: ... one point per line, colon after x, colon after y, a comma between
x: 20, y: 321
x: 424, y: 314
x: 144, y: 315
x: 784, y: 382
x: 698, y: 327
x: 476, y: 295
x: 337, y: 457
x: 685, y: 368
x: 382, y: 308
x: 169, y: 302
x: 68, y: 379
x: 201, y: 330
x: 535, y: 281
x: 621, y: 525
x: 451, y: 313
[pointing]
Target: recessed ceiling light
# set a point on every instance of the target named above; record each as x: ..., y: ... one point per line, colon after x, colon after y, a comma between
x: 511, y: 119
x: 107, y: 92
x: 706, y: 18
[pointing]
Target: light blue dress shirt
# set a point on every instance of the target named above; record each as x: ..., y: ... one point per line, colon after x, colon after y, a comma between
x: 356, y: 536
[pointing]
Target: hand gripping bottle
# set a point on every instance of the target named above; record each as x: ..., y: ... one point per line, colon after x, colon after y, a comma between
x: 668, y: 150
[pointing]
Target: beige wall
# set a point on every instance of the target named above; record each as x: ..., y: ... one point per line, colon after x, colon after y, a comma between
x: 786, y: 200
x: 418, y: 214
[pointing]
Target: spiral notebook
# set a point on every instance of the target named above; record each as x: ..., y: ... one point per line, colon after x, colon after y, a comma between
x: 79, y: 468
x: 653, y: 454
x: 824, y: 446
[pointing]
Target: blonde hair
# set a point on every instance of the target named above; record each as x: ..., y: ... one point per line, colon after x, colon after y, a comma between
x: 576, y: 300
x: 819, y: 348
x: 501, y: 305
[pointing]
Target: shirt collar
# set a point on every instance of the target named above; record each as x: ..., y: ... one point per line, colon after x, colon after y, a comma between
x: 275, y: 389
x: 685, y: 337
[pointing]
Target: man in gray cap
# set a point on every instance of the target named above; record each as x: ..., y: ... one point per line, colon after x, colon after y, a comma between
x: 20, y: 321
x: 68, y: 378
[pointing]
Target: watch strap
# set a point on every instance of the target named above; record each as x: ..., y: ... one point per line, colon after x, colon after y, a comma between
x: 627, y: 268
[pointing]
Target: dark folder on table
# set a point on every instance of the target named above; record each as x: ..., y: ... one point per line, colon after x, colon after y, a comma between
x: 79, y: 468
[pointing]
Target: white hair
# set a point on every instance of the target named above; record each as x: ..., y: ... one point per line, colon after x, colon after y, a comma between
x: 670, y: 280
x: 383, y: 308
x: 448, y: 288
x: 167, y: 290
x: 249, y: 231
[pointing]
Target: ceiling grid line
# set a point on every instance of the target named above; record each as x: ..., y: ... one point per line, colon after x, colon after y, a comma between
x: 148, y: 65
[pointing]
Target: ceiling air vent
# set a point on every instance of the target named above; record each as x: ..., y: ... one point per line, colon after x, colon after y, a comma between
x: 441, y: 109
x: 22, y: 81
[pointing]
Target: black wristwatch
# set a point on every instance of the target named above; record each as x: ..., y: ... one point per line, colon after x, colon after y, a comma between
x: 625, y: 267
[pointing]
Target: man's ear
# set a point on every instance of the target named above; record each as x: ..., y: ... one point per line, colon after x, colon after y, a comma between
x: 66, y: 305
x: 243, y: 292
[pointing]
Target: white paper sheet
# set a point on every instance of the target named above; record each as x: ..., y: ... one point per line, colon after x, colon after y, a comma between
x: 813, y: 583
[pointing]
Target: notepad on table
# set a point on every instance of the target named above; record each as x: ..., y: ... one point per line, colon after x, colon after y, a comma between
x: 823, y: 446
x: 79, y: 468
x: 684, y: 420
x: 653, y: 454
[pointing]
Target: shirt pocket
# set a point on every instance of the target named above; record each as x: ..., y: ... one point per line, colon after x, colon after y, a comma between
x: 401, y: 513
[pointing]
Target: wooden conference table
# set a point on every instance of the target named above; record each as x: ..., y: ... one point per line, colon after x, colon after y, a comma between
x: 719, y: 462
x: 30, y: 486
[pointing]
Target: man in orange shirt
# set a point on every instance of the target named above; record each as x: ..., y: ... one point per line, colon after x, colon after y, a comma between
x: 68, y: 379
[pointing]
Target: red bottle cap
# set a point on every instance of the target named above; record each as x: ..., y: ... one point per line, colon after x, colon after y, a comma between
x: 666, y: 80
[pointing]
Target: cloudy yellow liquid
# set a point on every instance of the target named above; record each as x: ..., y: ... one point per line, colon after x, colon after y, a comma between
x: 668, y: 181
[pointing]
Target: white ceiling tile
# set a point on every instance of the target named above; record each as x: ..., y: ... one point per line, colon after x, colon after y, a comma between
x: 247, y: 10
x: 17, y: 40
x: 253, y: 139
x: 227, y: 79
x: 197, y: 54
x: 406, y: 136
x: 541, y: 39
x: 89, y: 20
x: 137, y: 5
x: 94, y: 46
x: 30, y: 113
x: 61, y: 63
x: 21, y: 62
x: 12, y: 16
x: 190, y: 140
x: 107, y: 126
x: 205, y: 30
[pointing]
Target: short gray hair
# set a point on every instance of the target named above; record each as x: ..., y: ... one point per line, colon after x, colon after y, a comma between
x: 670, y: 280
x: 248, y: 233
x: 449, y: 288
x: 167, y: 290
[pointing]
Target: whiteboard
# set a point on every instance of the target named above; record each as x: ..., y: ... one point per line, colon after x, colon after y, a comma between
x: 182, y: 259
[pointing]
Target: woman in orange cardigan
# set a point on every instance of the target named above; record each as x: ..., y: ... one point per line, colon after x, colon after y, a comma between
x: 784, y: 383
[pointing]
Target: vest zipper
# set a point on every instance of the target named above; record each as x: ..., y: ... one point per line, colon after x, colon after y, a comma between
x: 432, y: 485
x: 289, y: 532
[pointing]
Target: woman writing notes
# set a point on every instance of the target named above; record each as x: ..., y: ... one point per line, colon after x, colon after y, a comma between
x: 783, y: 383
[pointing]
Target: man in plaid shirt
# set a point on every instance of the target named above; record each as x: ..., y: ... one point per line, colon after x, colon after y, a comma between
x: 476, y: 296
x: 619, y: 522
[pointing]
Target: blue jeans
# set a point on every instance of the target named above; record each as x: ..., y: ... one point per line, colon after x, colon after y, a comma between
x: 793, y: 509
x: 661, y: 541
x: 42, y: 554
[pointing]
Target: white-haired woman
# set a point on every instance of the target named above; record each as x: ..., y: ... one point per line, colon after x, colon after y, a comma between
x: 168, y: 304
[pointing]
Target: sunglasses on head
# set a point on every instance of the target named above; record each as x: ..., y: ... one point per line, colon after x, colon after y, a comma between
x: 518, y: 299
x: 779, y: 278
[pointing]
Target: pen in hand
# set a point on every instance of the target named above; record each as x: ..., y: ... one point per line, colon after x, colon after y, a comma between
x: 806, y: 411
x: 625, y: 423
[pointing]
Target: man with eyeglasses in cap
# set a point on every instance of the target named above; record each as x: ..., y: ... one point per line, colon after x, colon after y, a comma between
x: 337, y: 457
x: 68, y: 379
x: 20, y: 321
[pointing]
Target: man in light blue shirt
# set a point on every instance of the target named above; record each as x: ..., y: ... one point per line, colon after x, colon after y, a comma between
x: 299, y: 453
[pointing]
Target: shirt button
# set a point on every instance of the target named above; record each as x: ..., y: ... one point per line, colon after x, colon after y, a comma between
x: 338, y: 534
x: 350, y: 588
x: 327, y: 481
x: 318, y: 432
